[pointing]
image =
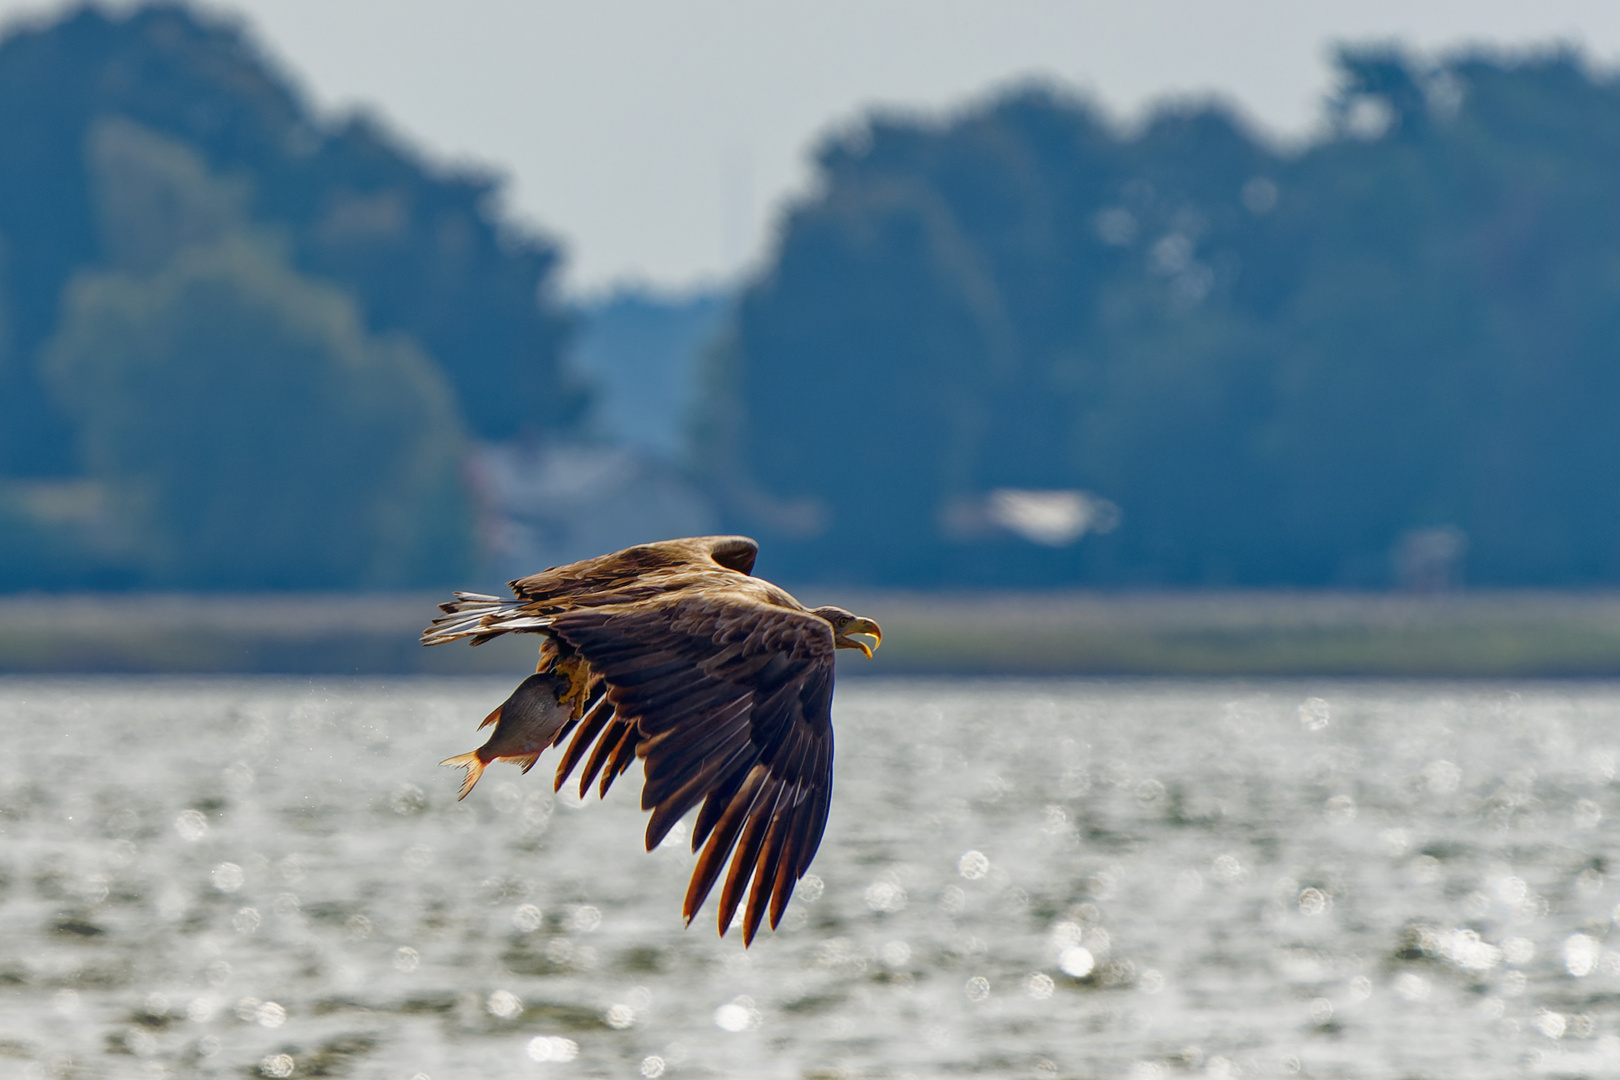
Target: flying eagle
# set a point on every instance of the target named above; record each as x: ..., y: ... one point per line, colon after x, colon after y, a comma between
x: 719, y: 681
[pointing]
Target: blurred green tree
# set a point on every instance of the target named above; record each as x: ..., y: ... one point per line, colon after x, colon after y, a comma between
x: 249, y: 432
x: 1280, y: 365
x: 422, y: 248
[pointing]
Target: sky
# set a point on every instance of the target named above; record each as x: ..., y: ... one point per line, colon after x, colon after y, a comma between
x: 659, y: 140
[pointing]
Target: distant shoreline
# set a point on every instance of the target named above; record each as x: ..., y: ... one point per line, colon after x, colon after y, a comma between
x: 1463, y: 635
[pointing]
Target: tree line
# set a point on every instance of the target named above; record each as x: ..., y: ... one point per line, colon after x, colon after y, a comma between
x: 242, y: 345
x: 246, y: 346
x: 1280, y: 365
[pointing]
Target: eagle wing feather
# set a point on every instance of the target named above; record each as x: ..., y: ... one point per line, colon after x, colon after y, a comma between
x: 731, y: 698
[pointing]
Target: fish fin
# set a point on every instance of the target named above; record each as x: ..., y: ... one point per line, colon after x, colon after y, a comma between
x: 527, y: 760
x: 474, y: 766
x: 492, y: 718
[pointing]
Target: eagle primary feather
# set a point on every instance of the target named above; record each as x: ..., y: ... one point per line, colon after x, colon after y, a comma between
x: 720, y: 682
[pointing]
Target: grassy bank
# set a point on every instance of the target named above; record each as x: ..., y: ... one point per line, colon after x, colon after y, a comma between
x: 1482, y: 634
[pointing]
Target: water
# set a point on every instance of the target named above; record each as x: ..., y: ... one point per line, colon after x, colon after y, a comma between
x: 1024, y: 879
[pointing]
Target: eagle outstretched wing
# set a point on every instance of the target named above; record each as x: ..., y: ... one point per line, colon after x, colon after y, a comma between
x: 727, y: 698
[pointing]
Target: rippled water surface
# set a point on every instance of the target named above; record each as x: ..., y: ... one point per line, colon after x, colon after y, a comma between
x: 1021, y: 879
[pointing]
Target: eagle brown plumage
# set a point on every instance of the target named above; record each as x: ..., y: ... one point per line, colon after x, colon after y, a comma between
x: 720, y: 682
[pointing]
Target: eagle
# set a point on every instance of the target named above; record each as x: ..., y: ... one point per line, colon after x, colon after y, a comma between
x: 719, y: 682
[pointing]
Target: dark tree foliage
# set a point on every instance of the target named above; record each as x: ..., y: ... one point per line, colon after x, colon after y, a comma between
x: 417, y: 246
x: 1276, y: 364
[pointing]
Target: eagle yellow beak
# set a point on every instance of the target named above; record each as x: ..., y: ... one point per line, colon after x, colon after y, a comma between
x: 865, y: 627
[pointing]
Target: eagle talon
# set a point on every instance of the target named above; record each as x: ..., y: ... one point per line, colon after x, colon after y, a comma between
x: 580, y: 677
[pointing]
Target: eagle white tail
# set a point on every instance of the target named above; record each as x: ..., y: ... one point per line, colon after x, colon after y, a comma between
x: 481, y: 617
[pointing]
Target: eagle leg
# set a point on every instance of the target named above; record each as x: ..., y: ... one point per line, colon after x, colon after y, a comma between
x: 580, y: 678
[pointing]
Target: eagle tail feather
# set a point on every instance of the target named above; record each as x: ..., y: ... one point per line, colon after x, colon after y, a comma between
x: 481, y: 617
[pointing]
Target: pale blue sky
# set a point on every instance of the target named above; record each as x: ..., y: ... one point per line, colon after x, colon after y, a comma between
x: 657, y: 138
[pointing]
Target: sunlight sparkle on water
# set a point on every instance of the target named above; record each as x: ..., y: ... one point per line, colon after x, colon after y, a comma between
x: 1417, y: 886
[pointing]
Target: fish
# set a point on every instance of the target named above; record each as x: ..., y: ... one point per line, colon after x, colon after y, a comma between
x: 525, y: 724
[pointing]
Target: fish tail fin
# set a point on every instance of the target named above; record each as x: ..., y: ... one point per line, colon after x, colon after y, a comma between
x: 492, y: 718
x: 474, y: 766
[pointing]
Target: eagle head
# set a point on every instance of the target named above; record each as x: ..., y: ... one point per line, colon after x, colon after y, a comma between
x: 845, y: 623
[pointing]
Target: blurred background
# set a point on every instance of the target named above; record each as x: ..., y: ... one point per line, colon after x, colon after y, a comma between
x: 931, y: 300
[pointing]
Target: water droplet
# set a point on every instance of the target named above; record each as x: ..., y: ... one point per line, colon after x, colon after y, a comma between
x: 1581, y: 952
x: 201, y: 1010
x: 1151, y: 981
x: 418, y: 856
x: 228, y: 877
x: 1041, y: 986
x: 1076, y: 961
x: 977, y: 988
x: 1467, y: 950
x: 528, y: 918
x: 973, y: 865
x: 885, y: 896
x: 246, y: 920
x: 191, y: 825
x: 1227, y: 870
x: 1313, y: 901
x: 1360, y: 988
x: 406, y: 959
x: 278, y: 1065
x: 652, y: 1066
x: 504, y: 1004
x: 736, y: 1015
x: 291, y: 869
x: 270, y: 1015
x: 1321, y: 1010
x: 585, y: 919
x: 1340, y: 808
x: 1549, y: 1023
x: 810, y: 888
x: 896, y: 954
x: 952, y: 900
x: 358, y: 927
x: 1149, y: 792
x: 619, y: 1016
x: 552, y: 1048
x: 1056, y: 821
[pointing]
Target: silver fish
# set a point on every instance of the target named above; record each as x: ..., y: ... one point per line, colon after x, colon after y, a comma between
x: 525, y: 724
